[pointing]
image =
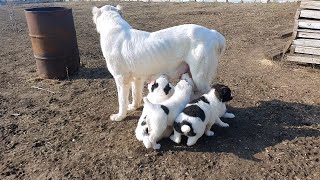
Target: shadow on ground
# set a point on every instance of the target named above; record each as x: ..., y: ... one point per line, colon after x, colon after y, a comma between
x: 93, y: 73
x: 257, y: 128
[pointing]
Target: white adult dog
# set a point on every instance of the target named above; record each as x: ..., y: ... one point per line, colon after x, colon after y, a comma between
x: 160, y: 117
x: 133, y: 56
x: 159, y: 91
x: 199, y: 116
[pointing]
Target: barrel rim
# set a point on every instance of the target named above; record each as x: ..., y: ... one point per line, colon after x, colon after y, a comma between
x: 46, y: 9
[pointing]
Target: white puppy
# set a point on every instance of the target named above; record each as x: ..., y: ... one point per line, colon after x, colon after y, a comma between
x: 159, y: 91
x: 161, y: 116
x: 133, y: 56
x: 199, y: 115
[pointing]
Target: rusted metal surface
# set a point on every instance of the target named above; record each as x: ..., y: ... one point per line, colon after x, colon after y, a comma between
x: 54, y: 41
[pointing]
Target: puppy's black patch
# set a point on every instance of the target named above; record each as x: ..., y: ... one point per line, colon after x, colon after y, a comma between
x: 194, y: 111
x: 154, y: 85
x: 177, y: 126
x: 167, y: 89
x: 222, y: 92
x: 143, y: 123
x: 202, y: 98
x: 165, y: 109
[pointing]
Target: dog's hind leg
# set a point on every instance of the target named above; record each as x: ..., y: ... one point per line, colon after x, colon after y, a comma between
x: 123, y: 86
x: 137, y: 88
x: 202, y: 69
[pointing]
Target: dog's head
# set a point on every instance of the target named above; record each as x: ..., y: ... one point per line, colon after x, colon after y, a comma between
x: 161, y: 87
x: 97, y: 12
x: 222, y: 92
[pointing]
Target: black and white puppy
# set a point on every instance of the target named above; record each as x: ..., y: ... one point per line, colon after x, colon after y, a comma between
x: 199, y: 115
x: 159, y: 90
x: 160, y: 117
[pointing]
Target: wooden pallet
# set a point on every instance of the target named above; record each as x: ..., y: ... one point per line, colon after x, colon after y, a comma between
x: 304, y: 45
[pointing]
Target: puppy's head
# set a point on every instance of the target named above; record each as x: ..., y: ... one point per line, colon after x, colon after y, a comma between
x: 161, y: 86
x: 96, y: 12
x: 222, y: 92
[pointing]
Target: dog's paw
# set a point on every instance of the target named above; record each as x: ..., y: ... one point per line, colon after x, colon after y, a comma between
x: 157, y: 146
x: 132, y: 107
x: 229, y: 115
x: 209, y: 133
x: 117, y: 117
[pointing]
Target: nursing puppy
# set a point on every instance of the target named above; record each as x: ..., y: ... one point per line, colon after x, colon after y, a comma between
x: 161, y: 116
x: 198, y: 116
x: 133, y: 56
x: 159, y: 91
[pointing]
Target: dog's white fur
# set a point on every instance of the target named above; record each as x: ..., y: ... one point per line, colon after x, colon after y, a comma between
x: 132, y: 55
x: 161, y: 116
x: 195, y: 127
x: 157, y: 94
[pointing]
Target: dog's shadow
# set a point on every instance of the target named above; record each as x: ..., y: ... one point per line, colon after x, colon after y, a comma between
x: 92, y: 73
x: 256, y: 128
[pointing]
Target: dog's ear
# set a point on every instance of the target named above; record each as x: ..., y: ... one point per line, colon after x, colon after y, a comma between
x: 96, y: 13
x: 95, y: 10
x: 119, y: 8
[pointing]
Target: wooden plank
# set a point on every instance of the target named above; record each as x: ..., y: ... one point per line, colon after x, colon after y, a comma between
x: 309, y: 30
x: 307, y: 50
x: 309, y: 24
x: 307, y: 42
x: 286, y: 33
x: 308, y: 35
x: 274, y: 53
x: 304, y: 59
x: 310, y: 5
x: 294, y: 34
x: 314, y: 14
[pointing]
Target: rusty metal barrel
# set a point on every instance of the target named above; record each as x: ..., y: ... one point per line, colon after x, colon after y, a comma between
x: 54, y: 41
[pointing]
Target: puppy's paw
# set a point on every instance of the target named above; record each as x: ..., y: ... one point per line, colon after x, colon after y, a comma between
x: 175, y: 139
x: 157, y: 146
x: 146, y: 142
x: 117, y: 117
x: 209, y: 133
x: 224, y: 125
x: 229, y: 115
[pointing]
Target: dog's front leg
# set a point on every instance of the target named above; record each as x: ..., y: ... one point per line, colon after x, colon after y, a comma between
x: 137, y: 87
x: 123, y: 86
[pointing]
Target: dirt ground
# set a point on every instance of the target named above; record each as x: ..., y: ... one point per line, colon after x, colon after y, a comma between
x: 68, y: 134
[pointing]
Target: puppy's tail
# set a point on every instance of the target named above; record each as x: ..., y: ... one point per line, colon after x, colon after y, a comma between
x: 185, y: 128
